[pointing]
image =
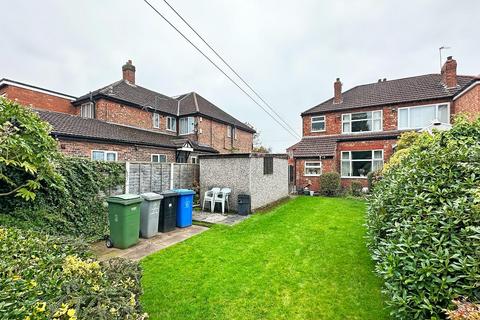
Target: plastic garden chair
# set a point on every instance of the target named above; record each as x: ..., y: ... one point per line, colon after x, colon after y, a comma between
x: 222, y: 197
x: 210, y: 196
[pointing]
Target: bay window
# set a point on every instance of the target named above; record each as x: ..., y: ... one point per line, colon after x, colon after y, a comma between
x: 101, y: 155
x: 187, y: 125
x: 422, y: 116
x: 362, y: 121
x: 360, y: 163
x: 318, y: 124
x: 313, y: 168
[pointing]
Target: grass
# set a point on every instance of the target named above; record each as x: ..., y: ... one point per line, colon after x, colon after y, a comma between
x: 305, y: 259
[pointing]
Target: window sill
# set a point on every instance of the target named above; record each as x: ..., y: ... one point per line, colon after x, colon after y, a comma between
x: 362, y: 132
x: 316, y: 131
x: 186, y: 134
x: 353, y: 177
x: 312, y: 175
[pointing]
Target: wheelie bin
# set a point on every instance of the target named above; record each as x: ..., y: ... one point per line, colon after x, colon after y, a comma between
x: 124, y: 220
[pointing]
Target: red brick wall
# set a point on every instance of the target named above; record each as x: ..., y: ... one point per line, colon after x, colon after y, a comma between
x: 122, y: 114
x: 334, y: 118
x: 124, y: 152
x: 469, y: 103
x: 39, y: 100
x: 328, y: 165
x: 215, y: 134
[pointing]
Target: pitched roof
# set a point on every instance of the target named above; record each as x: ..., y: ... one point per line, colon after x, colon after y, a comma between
x: 184, y: 104
x: 325, y: 146
x: 77, y: 127
x: 424, y: 87
x: 191, y: 103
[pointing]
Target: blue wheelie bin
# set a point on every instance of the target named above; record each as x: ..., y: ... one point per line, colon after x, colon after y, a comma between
x: 184, y: 207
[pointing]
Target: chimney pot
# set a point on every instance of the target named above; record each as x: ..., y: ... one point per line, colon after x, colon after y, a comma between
x: 449, y: 73
x: 337, y: 88
x: 128, y: 71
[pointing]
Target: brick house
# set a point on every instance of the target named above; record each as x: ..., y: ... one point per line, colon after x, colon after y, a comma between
x: 356, y: 131
x: 126, y: 122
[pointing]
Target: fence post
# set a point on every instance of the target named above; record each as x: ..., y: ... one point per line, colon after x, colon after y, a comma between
x: 127, y: 176
x: 171, y: 176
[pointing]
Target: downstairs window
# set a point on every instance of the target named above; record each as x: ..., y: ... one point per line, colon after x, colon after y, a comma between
x: 360, y: 163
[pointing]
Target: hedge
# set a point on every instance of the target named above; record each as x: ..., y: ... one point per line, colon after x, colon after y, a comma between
x: 50, y: 277
x: 330, y: 184
x: 424, y: 224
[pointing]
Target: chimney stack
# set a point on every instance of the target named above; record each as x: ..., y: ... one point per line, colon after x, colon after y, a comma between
x: 128, y: 70
x: 449, y: 73
x: 337, y: 87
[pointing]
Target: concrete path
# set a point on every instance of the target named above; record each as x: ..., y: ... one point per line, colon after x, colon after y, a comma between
x: 147, y: 246
x: 218, y: 218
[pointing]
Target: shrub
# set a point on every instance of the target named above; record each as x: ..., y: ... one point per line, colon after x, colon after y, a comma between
x: 28, y: 155
x: 330, y: 184
x: 373, y: 177
x: 464, y: 311
x: 423, y: 224
x: 78, y: 209
x: 356, y: 188
x: 48, y: 277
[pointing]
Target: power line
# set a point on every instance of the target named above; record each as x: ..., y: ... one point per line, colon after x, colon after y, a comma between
x: 220, y: 69
x: 230, y: 67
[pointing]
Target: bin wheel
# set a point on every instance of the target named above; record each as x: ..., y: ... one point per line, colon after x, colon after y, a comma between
x: 109, y: 243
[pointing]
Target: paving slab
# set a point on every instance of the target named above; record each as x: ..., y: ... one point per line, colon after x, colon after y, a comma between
x: 218, y: 218
x: 146, y: 247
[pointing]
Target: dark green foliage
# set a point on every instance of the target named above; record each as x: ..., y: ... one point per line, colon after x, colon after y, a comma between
x: 77, y: 209
x: 356, y: 188
x: 47, y: 277
x: 330, y: 184
x: 373, y: 177
x: 424, y: 224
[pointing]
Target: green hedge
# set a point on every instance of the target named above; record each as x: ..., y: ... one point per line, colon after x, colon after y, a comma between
x: 424, y: 224
x: 76, y: 208
x: 50, y: 277
x: 330, y: 184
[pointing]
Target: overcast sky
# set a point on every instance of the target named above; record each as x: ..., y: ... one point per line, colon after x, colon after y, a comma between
x: 291, y: 51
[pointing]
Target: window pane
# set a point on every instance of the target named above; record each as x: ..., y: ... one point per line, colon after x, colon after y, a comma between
x: 345, y: 155
x: 377, y: 165
x: 154, y: 158
x: 377, y: 115
x: 377, y: 125
x: 442, y: 115
x: 162, y: 158
x: 318, y: 126
x: 361, y: 168
x: 361, y: 116
x: 98, y: 155
x: 111, y: 156
x: 346, y: 168
x: 314, y: 119
x: 403, y: 119
x: 359, y: 126
x: 378, y: 154
x: 421, y: 117
x: 346, y: 127
x: 362, y: 155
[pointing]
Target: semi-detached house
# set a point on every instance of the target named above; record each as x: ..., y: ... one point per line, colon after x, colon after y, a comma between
x: 127, y: 122
x: 356, y: 131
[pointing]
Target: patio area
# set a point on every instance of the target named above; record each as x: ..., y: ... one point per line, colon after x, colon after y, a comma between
x: 218, y: 218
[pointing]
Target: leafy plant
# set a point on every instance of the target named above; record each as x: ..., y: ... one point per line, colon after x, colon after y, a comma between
x: 28, y: 155
x: 330, y: 184
x: 423, y: 224
x: 356, y: 188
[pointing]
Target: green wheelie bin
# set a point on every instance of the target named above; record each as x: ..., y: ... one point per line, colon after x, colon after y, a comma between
x: 124, y: 220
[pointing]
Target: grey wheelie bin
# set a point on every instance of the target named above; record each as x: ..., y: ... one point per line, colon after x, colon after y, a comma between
x: 149, y: 211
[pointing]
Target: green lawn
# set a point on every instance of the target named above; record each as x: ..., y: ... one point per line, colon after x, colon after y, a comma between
x: 303, y: 260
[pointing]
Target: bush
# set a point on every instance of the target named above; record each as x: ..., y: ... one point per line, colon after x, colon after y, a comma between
x: 48, y: 277
x: 373, y: 177
x: 28, y: 155
x: 330, y: 184
x: 356, y: 188
x: 464, y: 311
x: 78, y: 209
x: 423, y: 224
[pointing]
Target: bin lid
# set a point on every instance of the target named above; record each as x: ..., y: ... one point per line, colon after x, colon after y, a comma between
x: 125, y: 199
x: 183, y: 192
x: 169, y: 193
x: 151, y: 196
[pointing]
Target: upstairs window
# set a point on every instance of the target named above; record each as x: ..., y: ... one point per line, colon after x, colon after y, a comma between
x: 360, y: 163
x: 318, y: 124
x: 171, y: 124
x: 156, y: 120
x: 159, y: 158
x: 362, y: 121
x: 422, y: 116
x: 101, y: 155
x: 229, y: 131
x: 268, y: 165
x: 87, y: 110
x: 187, y: 125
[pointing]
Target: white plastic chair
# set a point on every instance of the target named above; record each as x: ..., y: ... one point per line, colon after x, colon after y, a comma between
x: 222, y: 197
x: 210, y: 196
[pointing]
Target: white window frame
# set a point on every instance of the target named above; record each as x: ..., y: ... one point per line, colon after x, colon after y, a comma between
x: 235, y: 133
x: 309, y: 166
x: 229, y: 131
x: 105, y: 152
x: 194, y: 159
x: 192, y: 130
x: 156, y: 120
x: 87, y: 110
x: 349, y: 121
x: 173, y: 124
x: 424, y: 105
x: 158, y: 155
x: 316, y: 120
x: 350, y: 161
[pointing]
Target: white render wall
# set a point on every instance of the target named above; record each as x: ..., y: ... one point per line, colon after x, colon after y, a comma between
x: 268, y: 188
